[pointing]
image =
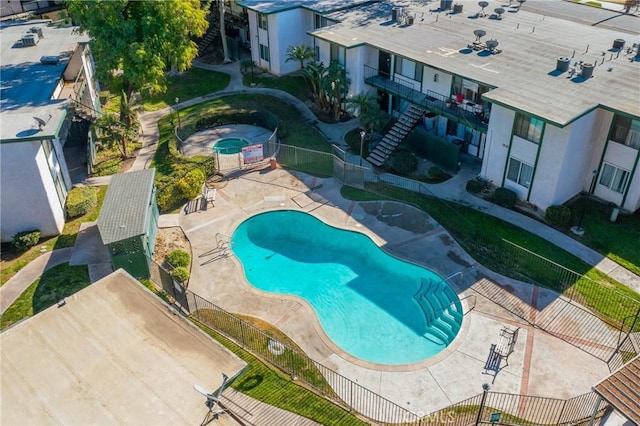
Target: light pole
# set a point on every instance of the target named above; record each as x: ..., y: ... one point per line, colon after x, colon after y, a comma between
x: 578, y: 228
x: 178, y: 112
x: 485, y: 390
x: 362, y: 134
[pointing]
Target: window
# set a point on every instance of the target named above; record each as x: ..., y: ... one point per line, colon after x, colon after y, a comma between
x: 614, y: 178
x: 408, y: 68
x: 316, y: 53
x: 321, y: 21
x: 264, y: 53
x: 626, y: 131
x: 529, y: 128
x: 338, y: 54
x: 519, y: 172
x: 263, y: 21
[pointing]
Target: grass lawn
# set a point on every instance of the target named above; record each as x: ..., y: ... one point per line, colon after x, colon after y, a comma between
x: 466, y: 225
x: 55, y: 284
x: 294, y: 85
x: 13, y: 260
x: 274, y: 388
x: 195, y: 82
x: 619, y: 241
x: 191, y: 84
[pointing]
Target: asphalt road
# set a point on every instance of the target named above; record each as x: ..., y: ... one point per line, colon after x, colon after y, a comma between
x: 594, y: 16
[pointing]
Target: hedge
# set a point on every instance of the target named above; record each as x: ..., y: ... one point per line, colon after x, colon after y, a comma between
x: 81, y: 200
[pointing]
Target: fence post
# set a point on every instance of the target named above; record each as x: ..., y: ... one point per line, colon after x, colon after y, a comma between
x: 485, y: 391
x: 562, y: 411
x: 195, y: 303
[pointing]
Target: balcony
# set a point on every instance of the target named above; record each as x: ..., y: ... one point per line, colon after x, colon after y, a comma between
x: 468, y: 113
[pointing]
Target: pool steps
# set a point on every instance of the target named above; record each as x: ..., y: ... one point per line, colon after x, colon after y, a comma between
x: 442, y: 315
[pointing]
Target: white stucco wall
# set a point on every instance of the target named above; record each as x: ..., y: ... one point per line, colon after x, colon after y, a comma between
x: 28, y: 199
x: 498, y: 139
x: 555, y: 180
x: 632, y: 203
x: 288, y: 28
x: 75, y: 64
x: 355, y: 70
x: 442, y: 86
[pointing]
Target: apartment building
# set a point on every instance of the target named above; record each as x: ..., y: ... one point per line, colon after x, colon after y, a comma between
x: 550, y: 106
x: 47, y: 76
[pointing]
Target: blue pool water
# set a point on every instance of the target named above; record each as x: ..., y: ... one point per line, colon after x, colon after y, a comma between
x: 372, y: 305
x: 230, y: 145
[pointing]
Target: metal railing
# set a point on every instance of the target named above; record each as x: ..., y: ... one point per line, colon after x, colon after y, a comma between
x: 514, y: 409
x: 471, y: 114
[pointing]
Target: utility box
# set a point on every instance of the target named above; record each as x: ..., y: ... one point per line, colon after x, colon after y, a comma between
x: 614, y: 212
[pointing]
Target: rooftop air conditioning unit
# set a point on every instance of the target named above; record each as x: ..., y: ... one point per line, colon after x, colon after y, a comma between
x: 29, y: 40
x: 36, y: 30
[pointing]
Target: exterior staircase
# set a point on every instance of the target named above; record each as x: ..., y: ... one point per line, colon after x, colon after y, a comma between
x: 407, y: 121
x: 211, y: 34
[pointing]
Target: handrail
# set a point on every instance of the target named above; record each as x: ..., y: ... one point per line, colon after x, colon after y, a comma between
x: 475, y: 300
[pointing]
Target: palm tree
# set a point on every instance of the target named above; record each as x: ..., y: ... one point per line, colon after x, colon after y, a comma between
x: 299, y: 53
x: 366, y: 108
x: 120, y: 129
x: 315, y: 74
x: 336, y: 87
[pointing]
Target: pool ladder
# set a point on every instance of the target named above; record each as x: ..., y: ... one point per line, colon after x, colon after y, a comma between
x: 221, y: 250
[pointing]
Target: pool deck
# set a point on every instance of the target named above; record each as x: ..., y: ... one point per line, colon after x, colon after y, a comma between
x: 540, y: 365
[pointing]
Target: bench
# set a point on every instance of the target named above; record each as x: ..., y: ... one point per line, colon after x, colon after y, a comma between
x: 507, y: 342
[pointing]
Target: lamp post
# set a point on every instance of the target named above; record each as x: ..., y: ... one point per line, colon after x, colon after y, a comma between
x: 362, y: 135
x: 578, y: 230
x: 485, y: 390
x: 178, y: 112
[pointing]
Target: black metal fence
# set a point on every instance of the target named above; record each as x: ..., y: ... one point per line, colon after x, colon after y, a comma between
x: 571, y: 316
x: 513, y: 409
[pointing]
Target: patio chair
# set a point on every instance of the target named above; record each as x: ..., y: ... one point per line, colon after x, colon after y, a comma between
x: 210, y: 196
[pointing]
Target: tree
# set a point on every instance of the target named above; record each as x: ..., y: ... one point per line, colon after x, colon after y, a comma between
x: 315, y: 73
x: 299, y: 53
x: 336, y: 86
x: 366, y: 108
x: 135, y: 42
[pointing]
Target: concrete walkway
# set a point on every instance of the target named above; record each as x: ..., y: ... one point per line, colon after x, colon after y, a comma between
x: 451, y: 190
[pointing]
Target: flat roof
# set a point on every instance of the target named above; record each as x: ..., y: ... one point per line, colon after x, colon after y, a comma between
x: 113, y: 354
x: 524, y: 73
x: 622, y: 390
x: 320, y: 6
x: 126, y: 206
x: 27, y: 85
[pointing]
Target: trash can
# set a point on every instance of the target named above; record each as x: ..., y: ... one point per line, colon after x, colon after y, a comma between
x: 614, y: 212
x: 273, y: 164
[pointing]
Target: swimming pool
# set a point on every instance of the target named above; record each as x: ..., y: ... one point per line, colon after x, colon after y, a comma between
x: 230, y: 145
x: 372, y: 305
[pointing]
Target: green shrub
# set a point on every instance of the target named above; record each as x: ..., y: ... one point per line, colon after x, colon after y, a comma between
x: 26, y: 239
x: 179, y: 258
x: 435, y: 173
x: 180, y: 274
x: 558, y: 215
x: 505, y: 197
x: 474, y: 186
x: 168, y: 197
x: 209, y: 166
x: 404, y: 163
x: 81, y: 200
x: 190, y: 185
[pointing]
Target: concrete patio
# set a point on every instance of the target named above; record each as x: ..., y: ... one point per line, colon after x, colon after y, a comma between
x: 541, y: 364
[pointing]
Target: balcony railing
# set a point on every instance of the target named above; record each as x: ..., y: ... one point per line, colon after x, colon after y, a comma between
x: 473, y: 115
